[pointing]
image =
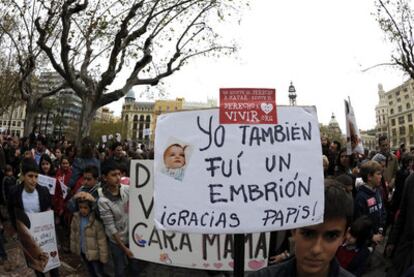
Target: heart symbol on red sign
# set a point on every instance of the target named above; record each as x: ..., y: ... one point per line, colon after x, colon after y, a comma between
x: 266, y: 107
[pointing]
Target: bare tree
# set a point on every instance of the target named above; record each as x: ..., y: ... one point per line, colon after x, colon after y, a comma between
x: 396, y: 20
x: 143, y: 41
x: 17, y: 20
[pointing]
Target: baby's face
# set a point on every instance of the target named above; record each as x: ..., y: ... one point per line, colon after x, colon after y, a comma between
x: 174, y: 157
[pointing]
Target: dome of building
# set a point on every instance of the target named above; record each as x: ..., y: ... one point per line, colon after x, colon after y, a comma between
x: 130, y: 96
x: 333, y: 122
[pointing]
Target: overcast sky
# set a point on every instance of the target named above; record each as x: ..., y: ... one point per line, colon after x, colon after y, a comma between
x: 322, y: 46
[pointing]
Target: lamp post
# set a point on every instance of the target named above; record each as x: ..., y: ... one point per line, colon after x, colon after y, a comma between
x: 292, y: 95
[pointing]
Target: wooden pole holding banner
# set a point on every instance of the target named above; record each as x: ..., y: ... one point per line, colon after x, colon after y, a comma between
x: 238, y: 270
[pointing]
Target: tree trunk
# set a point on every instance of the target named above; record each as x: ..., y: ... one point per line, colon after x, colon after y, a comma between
x: 10, y: 119
x: 29, y: 123
x: 85, y: 122
x: 47, y: 122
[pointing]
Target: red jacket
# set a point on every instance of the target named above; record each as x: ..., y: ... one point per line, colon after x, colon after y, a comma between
x: 58, y: 201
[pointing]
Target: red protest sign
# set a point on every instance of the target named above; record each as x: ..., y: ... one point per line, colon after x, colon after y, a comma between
x: 248, y: 106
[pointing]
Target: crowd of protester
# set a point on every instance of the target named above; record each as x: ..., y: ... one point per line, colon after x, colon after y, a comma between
x: 90, y: 201
x: 90, y: 205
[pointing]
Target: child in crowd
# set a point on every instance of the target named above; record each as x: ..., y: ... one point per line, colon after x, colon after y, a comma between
x: 354, y: 253
x: 46, y: 166
x: 347, y: 182
x: 59, y: 199
x: 113, y: 209
x: 29, y: 197
x: 9, y: 181
x: 89, y: 188
x: 174, y: 161
x: 88, y: 239
x: 369, y: 201
x: 316, y: 246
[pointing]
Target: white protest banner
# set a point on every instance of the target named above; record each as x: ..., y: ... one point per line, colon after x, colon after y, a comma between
x: 212, y: 178
x: 37, y: 235
x: 196, y: 251
x: 49, y: 182
x: 64, y: 190
x: 353, y: 137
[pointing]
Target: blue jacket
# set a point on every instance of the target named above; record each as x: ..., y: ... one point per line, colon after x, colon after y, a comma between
x: 369, y: 202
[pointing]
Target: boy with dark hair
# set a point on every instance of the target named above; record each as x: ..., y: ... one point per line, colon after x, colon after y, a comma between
x: 29, y: 197
x: 113, y: 208
x: 368, y: 200
x: 316, y: 246
x: 354, y: 253
x: 88, y: 190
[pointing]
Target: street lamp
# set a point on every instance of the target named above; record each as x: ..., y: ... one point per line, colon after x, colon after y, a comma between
x: 292, y: 95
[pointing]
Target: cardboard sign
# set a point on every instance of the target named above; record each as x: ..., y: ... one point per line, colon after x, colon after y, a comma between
x: 196, y: 251
x: 248, y: 106
x: 353, y: 137
x: 37, y: 235
x: 49, y: 182
x: 212, y: 178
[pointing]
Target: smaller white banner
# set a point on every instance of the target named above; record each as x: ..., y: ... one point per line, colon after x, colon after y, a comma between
x: 48, y: 182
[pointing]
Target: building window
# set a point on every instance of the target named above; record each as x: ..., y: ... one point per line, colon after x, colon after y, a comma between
x: 394, y: 132
x: 399, y: 109
x: 391, y: 103
x: 398, y: 99
x: 392, y: 111
x: 411, y: 140
x: 401, y: 120
x: 393, y: 122
x: 402, y: 130
x: 397, y: 93
x: 19, y: 123
x: 410, y: 117
x: 410, y: 129
x: 406, y: 96
x: 390, y: 96
x: 408, y: 106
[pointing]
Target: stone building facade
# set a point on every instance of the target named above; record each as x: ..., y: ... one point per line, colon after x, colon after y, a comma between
x: 394, y: 114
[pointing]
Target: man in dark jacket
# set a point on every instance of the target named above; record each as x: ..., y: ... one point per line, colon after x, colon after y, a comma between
x: 402, y: 233
x: 119, y: 157
x: 316, y: 246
